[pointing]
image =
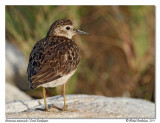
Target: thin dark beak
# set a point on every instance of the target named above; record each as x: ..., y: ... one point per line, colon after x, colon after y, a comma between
x: 81, y: 32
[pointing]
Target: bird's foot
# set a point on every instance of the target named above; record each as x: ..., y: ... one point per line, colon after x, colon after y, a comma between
x: 52, y: 107
x: 46, y: 109
x: 64, y: 108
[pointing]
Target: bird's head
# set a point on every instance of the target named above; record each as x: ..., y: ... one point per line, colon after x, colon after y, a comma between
x: 64, y: 27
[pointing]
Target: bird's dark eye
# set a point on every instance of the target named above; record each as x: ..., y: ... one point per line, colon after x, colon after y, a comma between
x: 68, y: 28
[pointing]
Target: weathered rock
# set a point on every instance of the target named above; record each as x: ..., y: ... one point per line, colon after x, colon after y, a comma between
x: 14, y: 93
x: 82, y: 106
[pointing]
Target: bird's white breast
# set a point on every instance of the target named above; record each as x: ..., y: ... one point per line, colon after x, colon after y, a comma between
x: 59, y: 81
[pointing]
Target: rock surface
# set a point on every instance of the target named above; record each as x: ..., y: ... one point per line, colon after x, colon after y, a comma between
x: 82, y: 106
x: 14, y: 93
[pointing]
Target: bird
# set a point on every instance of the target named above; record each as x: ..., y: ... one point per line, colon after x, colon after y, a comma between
x: 55, y: 58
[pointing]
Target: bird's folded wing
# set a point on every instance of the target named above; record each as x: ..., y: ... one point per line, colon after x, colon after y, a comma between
x: 50, y: 62
x: 52, y: 69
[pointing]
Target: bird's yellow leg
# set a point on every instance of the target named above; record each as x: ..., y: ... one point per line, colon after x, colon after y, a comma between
x: 44, y: 96
x: 64, y: 97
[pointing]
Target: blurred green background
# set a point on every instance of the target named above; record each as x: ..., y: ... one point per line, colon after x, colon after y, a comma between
x: 118, y: 59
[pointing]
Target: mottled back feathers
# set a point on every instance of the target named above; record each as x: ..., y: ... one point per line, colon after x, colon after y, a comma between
x: 52, y: 58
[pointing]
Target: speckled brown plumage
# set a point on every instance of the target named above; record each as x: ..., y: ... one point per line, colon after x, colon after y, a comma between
x: 52, y: 57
